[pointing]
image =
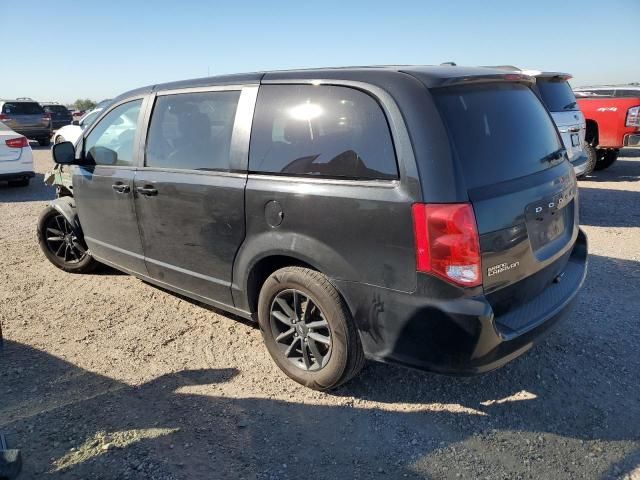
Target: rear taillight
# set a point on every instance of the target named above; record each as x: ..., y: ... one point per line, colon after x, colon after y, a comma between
x: 3, y: 117
x: 633, y: 117
x: 20, y: 142
x: 447, y: 242
x: 46, y: 116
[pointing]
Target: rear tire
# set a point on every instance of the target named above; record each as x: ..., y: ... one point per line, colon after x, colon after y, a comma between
x: 592, y: 158
x: 61, y: 246
x: 44, y: 142
x: 23, y: 182
x: 606, y: 158
x: 340, y: 359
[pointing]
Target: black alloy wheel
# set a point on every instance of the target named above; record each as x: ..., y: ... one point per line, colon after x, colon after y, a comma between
x: 300, y: 330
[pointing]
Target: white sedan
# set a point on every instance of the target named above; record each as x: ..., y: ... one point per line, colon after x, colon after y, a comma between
x: 16, y: 158
x: 71, y: 133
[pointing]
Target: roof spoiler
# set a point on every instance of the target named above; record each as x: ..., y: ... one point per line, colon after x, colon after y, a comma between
x: 488, y: 78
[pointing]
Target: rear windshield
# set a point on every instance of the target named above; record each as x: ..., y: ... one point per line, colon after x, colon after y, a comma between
x: 22, y: 108
x: 557, y: 95
x: 56, y: 109
x: 498, y: 131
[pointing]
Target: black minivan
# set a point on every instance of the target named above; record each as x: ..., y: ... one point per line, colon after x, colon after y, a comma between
x: 425, y: 216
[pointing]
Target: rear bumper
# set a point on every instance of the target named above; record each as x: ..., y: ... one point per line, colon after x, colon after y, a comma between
x: 34, y: 134
x: 458, y: 335
x: 580, y: 164
x: 631, y: 140
x: 16, y: 175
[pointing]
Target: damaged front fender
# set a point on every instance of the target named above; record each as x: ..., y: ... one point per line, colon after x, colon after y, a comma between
x: 67, y: 207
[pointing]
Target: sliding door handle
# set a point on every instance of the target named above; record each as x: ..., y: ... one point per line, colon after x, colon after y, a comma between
x: 148, y: 191
x: 121, y: 187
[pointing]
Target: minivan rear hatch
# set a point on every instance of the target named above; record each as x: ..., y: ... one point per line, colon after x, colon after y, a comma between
x: 522, y: 189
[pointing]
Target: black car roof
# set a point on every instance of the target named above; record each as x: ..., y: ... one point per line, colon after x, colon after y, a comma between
x: 430, y: 76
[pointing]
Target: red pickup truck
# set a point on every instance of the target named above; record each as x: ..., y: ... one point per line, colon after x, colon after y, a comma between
x: 612, y: 115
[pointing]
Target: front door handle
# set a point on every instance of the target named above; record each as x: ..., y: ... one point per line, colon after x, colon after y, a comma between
x: 121, y: 188
x: 148, y: 191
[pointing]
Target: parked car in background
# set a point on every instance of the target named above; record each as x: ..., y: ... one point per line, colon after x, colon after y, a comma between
x: 612, y: 115
x: 60, y: 175
x: 252, y: 192
x: 78, y: 113
x: 28, y: 118
x: 60, y: 115
x: 71, y: 133
x: 16, y: 158
x: 555, y: 91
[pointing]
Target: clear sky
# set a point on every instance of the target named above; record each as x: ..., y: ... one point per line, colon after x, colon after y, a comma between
x: 63, y: 49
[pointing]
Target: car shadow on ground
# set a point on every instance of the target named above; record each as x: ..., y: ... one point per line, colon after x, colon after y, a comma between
x: 603, y: 207
x: 36, y: 191
x: 72, y: 423
x: 623, y: 170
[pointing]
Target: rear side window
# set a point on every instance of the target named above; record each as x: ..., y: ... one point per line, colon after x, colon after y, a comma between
x: 22, y: 108
x: 321, y: 131
x: 556, y: 95
x: 498, y: 131
x: 192, y: 131
x: 628, y: 93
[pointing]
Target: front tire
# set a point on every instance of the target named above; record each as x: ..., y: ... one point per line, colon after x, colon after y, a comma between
x: 61, y: 246
x: 606, y: 158
x: 308, y: 330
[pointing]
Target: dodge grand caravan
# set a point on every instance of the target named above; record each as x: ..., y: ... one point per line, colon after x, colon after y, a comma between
x: 426, y: 216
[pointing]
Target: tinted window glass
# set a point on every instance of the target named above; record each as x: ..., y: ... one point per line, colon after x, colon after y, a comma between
x: 111, y: 141
x: 60, y: 109
x: 22, y: 108
x: 557, y: 95
x: 323, y: 131
x: 89, y: 118
x: 628, y: 93
x: 192, y: 131
x: 595, y: 93
x: 499, y: 131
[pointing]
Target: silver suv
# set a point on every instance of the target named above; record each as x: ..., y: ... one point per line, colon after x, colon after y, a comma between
x: 555, y: 92
x: 28, y: 118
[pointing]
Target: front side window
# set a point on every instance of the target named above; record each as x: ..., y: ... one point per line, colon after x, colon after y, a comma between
x: 111, y: 142
x: 321, y: 131
x: 192, y: 131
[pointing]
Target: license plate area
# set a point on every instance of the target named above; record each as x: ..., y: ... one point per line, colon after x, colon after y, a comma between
x: 549, y: 219
x: 575, y: 139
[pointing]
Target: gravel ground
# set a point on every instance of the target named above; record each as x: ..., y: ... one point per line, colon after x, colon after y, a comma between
x: 104, y: 376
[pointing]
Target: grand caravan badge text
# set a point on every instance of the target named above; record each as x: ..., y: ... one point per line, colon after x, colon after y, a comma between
x: 501, y: 268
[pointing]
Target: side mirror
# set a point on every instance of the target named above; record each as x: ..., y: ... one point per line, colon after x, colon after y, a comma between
x: 64, y: 153
x: 75, y: 122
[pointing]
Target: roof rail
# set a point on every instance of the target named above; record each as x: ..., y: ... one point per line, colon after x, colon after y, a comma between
x: 24, y: 98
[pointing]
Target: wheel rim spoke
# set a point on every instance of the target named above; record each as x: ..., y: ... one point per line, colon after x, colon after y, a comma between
x: 313, y: 347
x: 286, y: 334
x: 317, y: 324
x: 285, y: 308
x: 319, y: 338
x: 281, y: 317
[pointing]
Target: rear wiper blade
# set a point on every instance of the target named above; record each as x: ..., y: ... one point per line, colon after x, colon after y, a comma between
x: 558, y: 154
x: 569, y: 106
